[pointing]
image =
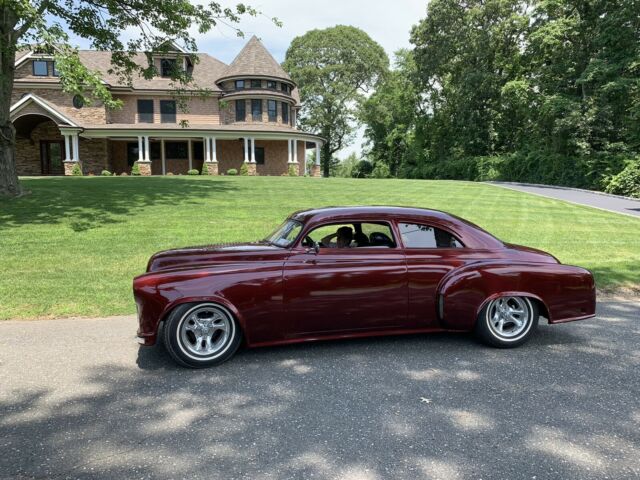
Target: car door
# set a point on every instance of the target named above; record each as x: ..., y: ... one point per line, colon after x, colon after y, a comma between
x: 340, y: 290
x: 431, y: 253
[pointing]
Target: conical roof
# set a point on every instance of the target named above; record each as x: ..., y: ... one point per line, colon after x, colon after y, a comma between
x: 254, y: 60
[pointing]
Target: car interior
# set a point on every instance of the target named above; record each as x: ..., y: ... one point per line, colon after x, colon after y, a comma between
x: 364, y: 235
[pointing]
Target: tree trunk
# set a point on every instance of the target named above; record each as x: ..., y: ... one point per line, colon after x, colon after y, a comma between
x: 326, y: 159
x: 9, y: 185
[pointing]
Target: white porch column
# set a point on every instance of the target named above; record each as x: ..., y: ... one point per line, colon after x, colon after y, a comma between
x: 253, y: 150
x: 289, y: 150
x: 163, y: 157
x: 317, y: 153
x: 214, y: 154
x: 246, y: 150
x: 76, y: 148
x: 295, y: 150
x: 190, y: 149
x: 140, y: 149
x: 67, y: 148
x: 205, y: 143
x: 147, y: 156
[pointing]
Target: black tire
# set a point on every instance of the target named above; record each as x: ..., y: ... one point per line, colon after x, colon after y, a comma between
x: 488, y: 333
x: 180, y: 338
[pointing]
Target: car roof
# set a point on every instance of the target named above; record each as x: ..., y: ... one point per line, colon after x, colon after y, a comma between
x: 469, y: 233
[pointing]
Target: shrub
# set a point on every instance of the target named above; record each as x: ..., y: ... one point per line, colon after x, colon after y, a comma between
x: 362, y: 169
x: 627, y: 182
x: 193, y: 171
x: 169, y: 174
x: 205, y: 169
x: 293, y: 171
x: 76, y: 171
x: 124, y: 174
x: 232, y: 171
x: 244, y: 170
x: 135, y: 170
x: 381, y: 170
x: 105, y: 173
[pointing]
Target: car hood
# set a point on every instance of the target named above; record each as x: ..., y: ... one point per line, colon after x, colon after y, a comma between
x: 192, y: 257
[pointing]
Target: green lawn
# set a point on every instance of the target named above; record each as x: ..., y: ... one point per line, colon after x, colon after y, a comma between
x: 73, y: 245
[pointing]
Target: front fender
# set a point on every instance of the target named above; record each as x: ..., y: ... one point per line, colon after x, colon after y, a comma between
x: 565, y: 292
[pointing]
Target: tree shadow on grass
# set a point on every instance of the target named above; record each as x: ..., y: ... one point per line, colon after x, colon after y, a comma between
x: 86, y: 203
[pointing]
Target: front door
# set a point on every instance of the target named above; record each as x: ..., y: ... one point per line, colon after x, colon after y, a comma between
x: 345, y: 290
x: 51, y: 157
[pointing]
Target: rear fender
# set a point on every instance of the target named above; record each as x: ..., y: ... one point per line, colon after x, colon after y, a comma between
x: 565, y: 292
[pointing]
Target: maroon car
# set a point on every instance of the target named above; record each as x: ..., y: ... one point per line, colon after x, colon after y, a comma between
x: 353, y: 272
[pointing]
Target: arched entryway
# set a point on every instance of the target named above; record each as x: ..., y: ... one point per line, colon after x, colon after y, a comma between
x: 40, y: 147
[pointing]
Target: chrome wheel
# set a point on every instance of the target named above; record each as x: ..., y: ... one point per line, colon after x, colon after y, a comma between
x: 509, y: 317
x: 204, y: 331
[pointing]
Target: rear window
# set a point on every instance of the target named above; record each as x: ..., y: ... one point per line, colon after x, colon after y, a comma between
x: 425, y: 236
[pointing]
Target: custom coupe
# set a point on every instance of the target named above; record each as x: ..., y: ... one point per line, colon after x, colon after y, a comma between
x: 351, y: 272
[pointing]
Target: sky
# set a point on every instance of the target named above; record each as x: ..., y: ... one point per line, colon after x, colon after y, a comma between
x: 388, y: 23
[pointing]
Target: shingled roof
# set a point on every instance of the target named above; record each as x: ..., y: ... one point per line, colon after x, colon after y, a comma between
x: 254, y: 60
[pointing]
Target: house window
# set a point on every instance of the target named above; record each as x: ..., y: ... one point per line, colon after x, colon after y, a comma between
x: 167, y: 111
x: 78, y: 101
x: 285, y: 112
x: 167, y: 67
x: 256, y: 110
x: 145, y: 111
x: 176, y: 150
x: 259, y: 155
x: 241, y: 113
x: 55, y: 69
x: 272, y: 110
x: 256, y: 83
x: 284, y: 87
x: 271, y: 85
x: 40, y: 68
x: 239, y: 84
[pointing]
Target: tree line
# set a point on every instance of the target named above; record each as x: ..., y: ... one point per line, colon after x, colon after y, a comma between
x: 541, y: 91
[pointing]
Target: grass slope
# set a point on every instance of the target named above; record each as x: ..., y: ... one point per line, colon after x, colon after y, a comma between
x: 74, y: 244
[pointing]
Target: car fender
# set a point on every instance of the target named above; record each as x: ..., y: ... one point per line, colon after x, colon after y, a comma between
x: 564, y: 292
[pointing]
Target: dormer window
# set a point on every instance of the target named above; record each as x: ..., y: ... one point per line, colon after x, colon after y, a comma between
x: 239, y: 84
x: 55, y: 69
x: 167, y: 67
x: 40, y: 68
x: 256, y: 83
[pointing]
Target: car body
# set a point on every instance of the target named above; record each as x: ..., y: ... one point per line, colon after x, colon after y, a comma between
x: 298, y: 292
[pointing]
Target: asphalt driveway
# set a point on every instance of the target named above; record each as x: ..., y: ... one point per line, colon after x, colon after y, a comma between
x: 79, y: 399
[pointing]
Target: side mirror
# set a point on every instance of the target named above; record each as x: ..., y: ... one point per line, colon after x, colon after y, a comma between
x: 315, y: 249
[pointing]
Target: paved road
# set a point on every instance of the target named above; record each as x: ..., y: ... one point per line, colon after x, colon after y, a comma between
x: 582, y: 197
x: 79, y: 399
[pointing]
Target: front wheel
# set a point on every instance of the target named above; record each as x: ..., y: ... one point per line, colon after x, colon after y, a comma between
x: 201, y: 335
x: 507, y: 321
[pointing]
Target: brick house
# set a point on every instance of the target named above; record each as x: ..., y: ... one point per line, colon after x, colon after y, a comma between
x: 248, y: 116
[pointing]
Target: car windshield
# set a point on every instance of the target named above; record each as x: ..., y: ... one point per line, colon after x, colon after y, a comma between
x: 285, y: 234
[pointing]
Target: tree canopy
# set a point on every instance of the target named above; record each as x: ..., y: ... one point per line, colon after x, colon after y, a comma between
x: 543, y: 90
x: 334, y: 69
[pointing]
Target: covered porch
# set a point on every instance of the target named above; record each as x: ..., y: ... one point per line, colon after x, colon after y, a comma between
x: 176, y: 152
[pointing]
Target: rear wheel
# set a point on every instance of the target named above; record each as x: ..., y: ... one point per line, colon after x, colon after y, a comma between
x: 507, y: 321
x: 201, y: 335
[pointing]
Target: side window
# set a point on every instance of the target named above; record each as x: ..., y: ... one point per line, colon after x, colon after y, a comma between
x: 352, y: 235
x: 424, y: 236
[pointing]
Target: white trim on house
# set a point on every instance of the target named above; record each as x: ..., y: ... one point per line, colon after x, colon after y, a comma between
x: 30, y: 97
